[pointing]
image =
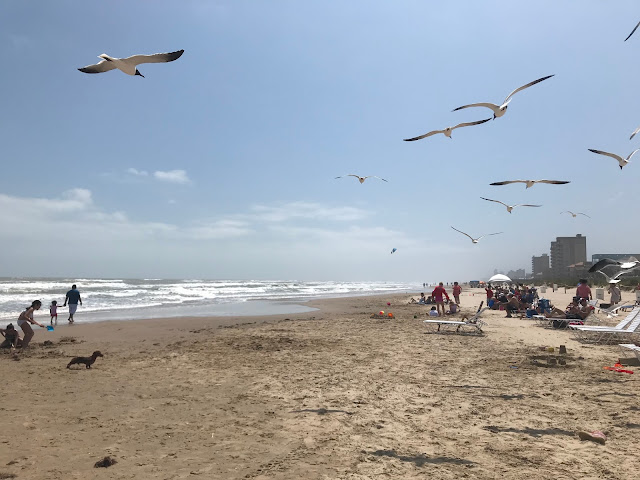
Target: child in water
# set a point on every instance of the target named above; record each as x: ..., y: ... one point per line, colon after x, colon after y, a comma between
x: 53, y: 310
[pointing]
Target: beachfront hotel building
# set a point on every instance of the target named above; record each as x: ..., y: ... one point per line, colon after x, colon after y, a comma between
x: 540, y: 266
x: 566, y: 251
x: 596, y: 257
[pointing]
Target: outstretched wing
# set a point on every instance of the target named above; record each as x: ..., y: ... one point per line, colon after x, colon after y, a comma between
x: 375, y: 176
x: 553, y: 182
x: 632, y: 153
x: 579, y: 213
x: 465, y: 234
x: 155, y: 58
x: 612, y: 155
x: 101, y: 66
x: 469, y: 124
x: 434, y: 132
x: 632, y: 31
x: 507, y: 182
x: 634, y: 133
x: 494, y: 108
x: 605, y: 262
x: 488, y: 234
x: 526, y: 86
x: 526, y: 205
x: 497, y: 201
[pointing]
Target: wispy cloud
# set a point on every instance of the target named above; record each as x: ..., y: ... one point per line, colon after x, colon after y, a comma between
x: 138, y: 173
x: 172, y: 176
x: 311, y: 211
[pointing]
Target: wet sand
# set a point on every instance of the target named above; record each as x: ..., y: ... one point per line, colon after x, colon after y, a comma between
x: 328, y: 394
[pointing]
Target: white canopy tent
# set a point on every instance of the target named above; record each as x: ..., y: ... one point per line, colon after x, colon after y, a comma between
x: 499, y: 278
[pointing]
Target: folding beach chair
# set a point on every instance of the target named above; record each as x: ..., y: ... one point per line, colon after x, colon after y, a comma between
x: 597, y: 334
x: 472, y: 325
x: 625, y: 347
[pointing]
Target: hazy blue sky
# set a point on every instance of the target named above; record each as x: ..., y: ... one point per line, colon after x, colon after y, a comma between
x: 222, y: 164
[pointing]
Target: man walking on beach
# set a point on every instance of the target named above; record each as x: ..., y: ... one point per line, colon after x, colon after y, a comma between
x: 456, y: 292
x: 583, y: 290
x: 73, y: 297
x: 437, y: 294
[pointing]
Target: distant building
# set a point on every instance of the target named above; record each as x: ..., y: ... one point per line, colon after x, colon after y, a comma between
x: 567, y: 251
x: 516, y: 274
x: 540, y: 266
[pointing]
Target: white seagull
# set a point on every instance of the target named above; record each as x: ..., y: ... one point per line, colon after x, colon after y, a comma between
x: 475, y: 240
x: 621, y: 161
x: 574, y: 215
x: 447, y: 131
x: 500, y: 110
x: 615, y: 279
x: 632, y: 31
x: 129, y: 65
x: 607, y: 262
x: 362, y: 179
x: 531, y: 183
x: 509, y: 207
x: 634, y: 133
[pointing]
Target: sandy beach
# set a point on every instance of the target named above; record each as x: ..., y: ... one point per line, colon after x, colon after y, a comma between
x: 328, y: 394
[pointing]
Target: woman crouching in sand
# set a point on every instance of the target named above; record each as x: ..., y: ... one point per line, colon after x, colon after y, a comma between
x: 24, y: 321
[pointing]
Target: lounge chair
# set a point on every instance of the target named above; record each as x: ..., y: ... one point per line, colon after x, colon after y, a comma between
x: 612, y: 311
x: 630, y: 346
x: 472, y: 325
x: 599, y: 333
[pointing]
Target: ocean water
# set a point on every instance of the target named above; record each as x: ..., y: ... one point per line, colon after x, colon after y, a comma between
x: 128, y: 299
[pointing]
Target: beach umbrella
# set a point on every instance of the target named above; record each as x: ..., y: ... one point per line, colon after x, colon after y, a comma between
x: 499, y: 278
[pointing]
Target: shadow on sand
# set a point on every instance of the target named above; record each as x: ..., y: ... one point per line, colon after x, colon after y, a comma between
x: 420, y: 460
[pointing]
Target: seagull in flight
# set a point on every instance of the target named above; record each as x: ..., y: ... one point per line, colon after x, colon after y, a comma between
x: 634, y: 133
x: 447, y: 131
x: 574, y: 215
x: 509, y: 207
x: 615, y: 279
x: 621, y: 161
x: 129, y: 65
x: 607, y: 262
x: 531, y: 183
x: 632, y: 31
x: 475, y: 240
x: 500, y: 110
x: 362, y: 179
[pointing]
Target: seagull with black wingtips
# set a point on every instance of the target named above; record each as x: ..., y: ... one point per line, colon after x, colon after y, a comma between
x: 621, y: 161
x: 129, y: 65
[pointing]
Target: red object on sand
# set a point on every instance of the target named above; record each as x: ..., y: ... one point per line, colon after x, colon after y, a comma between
x: 617, y: 368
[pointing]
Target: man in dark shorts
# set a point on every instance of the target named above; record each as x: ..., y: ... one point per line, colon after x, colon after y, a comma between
x: 73, y: 297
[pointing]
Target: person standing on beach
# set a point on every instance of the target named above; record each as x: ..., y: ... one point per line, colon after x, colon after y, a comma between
x: 24, y: 321
x: 489, y: 293
x: 583, y: 290
x: 73, y: 297
x: 437, y: 295
x: 614, y: 290
x: 456, y: 292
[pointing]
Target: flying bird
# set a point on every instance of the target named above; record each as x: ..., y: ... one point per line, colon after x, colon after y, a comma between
x: 634, y: 133
x: 393, y: 251
x: 615, y: 279
x: 621, y: 161
x: 509, y: 207
x: 362, y: 179
x: 632, y: 31
x: 607, y: 262
x: 475, y: 240
x: 447, y: 131
x: 129, y: 65
x: 500, y: 110
x: 531, y: 183
x: 574, y: 215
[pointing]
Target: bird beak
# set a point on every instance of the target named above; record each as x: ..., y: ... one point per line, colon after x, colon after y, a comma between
x: 138, y: 73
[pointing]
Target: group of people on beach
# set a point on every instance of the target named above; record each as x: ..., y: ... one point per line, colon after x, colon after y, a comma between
x: 25, y: 320
x: 437, y: 298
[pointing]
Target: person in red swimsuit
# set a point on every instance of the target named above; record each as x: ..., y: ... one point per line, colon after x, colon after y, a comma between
x: 437, y: 295
x: 456, y: 292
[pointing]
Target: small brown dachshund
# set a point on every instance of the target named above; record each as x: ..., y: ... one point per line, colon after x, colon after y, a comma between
x: 88, y: 361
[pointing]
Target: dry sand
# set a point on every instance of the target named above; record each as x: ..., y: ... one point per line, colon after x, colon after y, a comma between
x: 330, y: 394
